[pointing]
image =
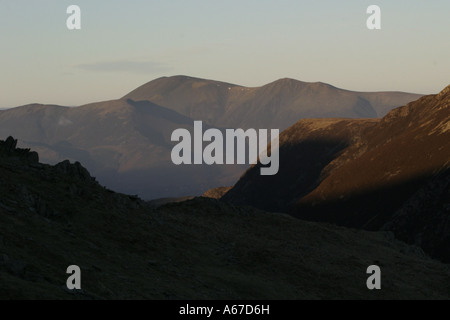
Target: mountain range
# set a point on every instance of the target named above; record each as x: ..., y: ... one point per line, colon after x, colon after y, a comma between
x: 381, y: 174
x: 277, y: 105
x: 126, y: 143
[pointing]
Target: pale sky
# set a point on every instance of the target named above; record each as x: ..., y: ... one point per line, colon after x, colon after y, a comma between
x: 124, y: 44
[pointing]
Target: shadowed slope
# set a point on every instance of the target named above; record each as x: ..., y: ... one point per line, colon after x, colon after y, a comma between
x: 306, y: 149
x: 53, y: 217
x: 371, y: 181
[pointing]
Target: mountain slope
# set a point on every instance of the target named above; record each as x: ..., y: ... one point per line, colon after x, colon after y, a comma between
x: 126, y: 144
x: 407, y: 148
x: 55, y: 216
x: 367, y: 178
x: 306, y: 149
x: 275, y: 105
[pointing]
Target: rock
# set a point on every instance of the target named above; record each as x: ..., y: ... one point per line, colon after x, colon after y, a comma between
x: 9, y: 148
x: 444, y: 92
x: 33, y: 157
x: 10, y: 144
x: 75, y: 170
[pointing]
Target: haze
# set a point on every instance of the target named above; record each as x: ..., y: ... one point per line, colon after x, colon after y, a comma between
x: 124, y: 44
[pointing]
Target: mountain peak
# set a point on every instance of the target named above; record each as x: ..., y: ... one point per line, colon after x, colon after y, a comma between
x: 287, y: 82
x: 179, y: 80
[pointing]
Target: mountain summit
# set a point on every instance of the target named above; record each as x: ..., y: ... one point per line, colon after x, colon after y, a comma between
x: 276, y: 105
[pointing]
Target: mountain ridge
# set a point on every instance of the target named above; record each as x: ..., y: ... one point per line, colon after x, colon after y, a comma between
x: 364, y: 174
x: 222, y: 104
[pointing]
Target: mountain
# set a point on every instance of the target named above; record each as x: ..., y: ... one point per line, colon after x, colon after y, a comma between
x: 306, y: 149
x: 52, y: 217
x: 126, y: 143
x: 390, y: 174
x: 276, y: 105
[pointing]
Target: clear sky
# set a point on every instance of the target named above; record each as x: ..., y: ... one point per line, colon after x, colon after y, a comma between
x: 124, y: 44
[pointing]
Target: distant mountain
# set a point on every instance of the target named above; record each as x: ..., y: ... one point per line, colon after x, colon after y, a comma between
x: 126, y: 143
x: 390, y: 174
x: 277, y: 105
x: 52, y: 217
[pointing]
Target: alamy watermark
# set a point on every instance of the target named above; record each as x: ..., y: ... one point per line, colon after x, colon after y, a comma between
x: 74, y: 281
x: 231, y: 149
x: 374, y: 281
x: 374, y: 20
x: 74, y: 20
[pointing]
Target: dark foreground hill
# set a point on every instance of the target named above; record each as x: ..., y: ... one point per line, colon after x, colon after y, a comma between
x: 390, y: 174
x: 55, y: 216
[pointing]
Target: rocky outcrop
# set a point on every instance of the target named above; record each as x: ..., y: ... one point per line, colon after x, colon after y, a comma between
x: 75, y: 170
x: 8, y: 148
x: 29, y: 187
x: 444, y: 92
